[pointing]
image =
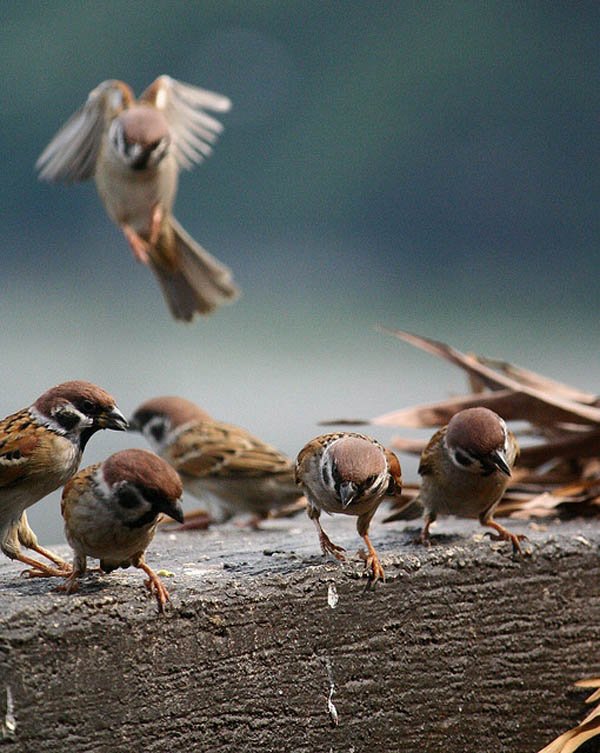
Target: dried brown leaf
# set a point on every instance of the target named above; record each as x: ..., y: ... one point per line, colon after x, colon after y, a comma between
x: 546, y: 408
x: 593, y: 682
x: 583, y: 445
x: 543, y: 383
x: 590, y: 727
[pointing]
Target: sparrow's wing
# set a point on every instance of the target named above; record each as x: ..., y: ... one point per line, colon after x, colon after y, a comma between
x: 72, y: 153
x: 313, y: 449
x: 395, y: 472
x: 192, y: 129
x: 75, y: 488
x: 426, y: 467
x: 19, y: 437
x: 222, y: 451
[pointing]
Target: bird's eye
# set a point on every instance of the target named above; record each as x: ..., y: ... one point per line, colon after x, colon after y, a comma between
x: 88, y: 406
x: 462, y: 458
x: 158, y: 432
x: 128, y: 497
x: 370, y: 480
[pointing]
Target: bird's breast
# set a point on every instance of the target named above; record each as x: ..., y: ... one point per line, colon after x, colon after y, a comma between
x: 457, y: 492
x: 129, y: 196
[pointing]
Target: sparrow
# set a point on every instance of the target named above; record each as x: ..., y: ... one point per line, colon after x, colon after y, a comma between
x: 225, y: 465
x: 40, y: 449
x: 348, y: 473
x: 466, y: 467
x: 111, y: 511
x: 134, y: 150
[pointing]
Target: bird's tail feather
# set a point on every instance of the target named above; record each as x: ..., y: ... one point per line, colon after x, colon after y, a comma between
x: 196, y: 282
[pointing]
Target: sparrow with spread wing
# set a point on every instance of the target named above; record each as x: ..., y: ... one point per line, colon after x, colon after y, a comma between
x: 134, y: 150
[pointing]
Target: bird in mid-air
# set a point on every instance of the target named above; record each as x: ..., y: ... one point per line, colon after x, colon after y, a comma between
x: 134, y: 150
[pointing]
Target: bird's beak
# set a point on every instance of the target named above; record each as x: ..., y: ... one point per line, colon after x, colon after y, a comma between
x: 348, y: 491
x: 498, y: 459
x: 113, y: 419
x: 172, y: 509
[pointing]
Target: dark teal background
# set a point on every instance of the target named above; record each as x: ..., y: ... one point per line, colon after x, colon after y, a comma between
x: 428, y: 165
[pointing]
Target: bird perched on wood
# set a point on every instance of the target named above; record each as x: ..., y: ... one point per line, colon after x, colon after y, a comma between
x: 466, y: 468
x: 111, y: 511
x: 40, y: 449
x: 134, y: 150
x: 348, y: 473
x: 224, y: 465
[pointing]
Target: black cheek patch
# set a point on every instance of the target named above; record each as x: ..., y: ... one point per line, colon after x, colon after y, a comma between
x: 128, y: 498
x: 68, y: 421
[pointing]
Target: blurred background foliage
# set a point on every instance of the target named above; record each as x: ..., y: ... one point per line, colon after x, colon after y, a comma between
x: 428, y: 165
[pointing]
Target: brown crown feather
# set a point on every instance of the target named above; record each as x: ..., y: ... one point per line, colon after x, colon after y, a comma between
x: 144, y: 125
x: 357, y: 458
x: 476, y: 429
x: 73, y: 392
x: 178, y: 409
x: 145, y: 470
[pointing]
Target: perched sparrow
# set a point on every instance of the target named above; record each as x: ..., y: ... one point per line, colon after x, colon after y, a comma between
x: 134, y: 151
x: 217, y: 462
x: 111, y: 511
x: 348, y: 473
x: 40, y: 449
x: 466, y: 468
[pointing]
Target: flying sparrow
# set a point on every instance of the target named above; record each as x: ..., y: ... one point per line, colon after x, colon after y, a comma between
x: 111, y: 511
x: 348, y: 473
x: 218, y: 463
x: 40, y: 449
x: 466, y: 468
x: 134, y: 150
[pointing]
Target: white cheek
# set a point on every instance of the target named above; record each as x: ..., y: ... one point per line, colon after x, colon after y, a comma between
x: 103, y: 488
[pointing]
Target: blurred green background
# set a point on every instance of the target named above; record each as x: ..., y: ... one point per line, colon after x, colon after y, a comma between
x: 427, y: 165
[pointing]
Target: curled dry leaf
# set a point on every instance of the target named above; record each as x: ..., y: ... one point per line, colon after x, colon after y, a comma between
x: 587, y: 729
x: 558, y: 471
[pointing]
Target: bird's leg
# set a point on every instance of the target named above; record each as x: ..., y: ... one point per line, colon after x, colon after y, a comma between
x: 138, y: 245
x: 371, y: 559
x: 327, y: 546
x: 504, y: 535
x: 64, y: 566
x: 372, y: 562
x: 71, y: 583
x: 156, y: 219
x: 38, y: 569
x: 155, y: 585
x: 26, y: 536
x: 423, y: 538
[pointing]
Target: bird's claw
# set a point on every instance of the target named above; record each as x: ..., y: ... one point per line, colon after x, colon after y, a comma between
x: 46, y: 572
x: 514, y: 538
x: 372, y: 567
x: 328, y: 547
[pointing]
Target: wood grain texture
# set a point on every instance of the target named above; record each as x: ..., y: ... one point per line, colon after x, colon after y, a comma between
x: 463, y: 649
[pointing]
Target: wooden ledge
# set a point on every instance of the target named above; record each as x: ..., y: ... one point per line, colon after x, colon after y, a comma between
x: 266, y: 646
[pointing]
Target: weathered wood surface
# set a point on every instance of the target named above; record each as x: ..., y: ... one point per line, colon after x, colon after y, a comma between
x: 463, y: 649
